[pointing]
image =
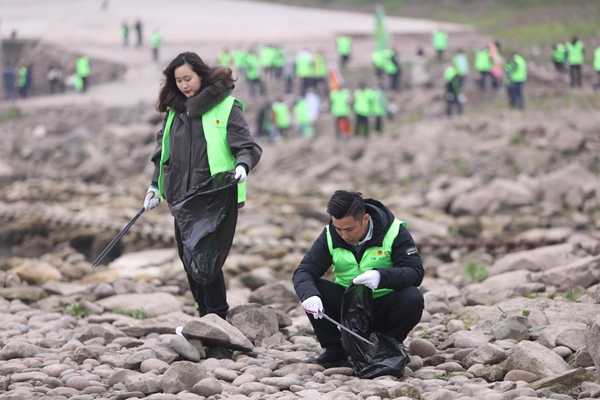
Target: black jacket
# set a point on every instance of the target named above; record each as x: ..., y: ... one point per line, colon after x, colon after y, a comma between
x: 407, y: 270
x: 188, y: 162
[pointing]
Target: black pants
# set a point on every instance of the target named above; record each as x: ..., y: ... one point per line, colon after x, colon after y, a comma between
x: 394, y: 314
x: 394, y: 81
x: 361, y: 124
x: 484, y: 76
x: 212, y: 298
x: 261, y: 87
x: 575, y: 72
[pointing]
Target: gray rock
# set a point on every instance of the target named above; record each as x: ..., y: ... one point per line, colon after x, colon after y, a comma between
x: 214, y: 331
x: 153, y: 304
x: 20, y: 350
x: 182, y: 375
x: 535, y: 358
x: 514, y: 328
x: 273, y: 293
x: 183, y: 347
x: 422, y: 348
x: 487, y: 354
x: 207, y: 387
x: 254, y: 321
x: 592, y: 340
x: 107, y: 332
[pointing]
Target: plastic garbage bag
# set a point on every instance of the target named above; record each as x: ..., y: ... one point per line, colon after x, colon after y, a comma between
x: 206, y: 217
x: 387, y: 357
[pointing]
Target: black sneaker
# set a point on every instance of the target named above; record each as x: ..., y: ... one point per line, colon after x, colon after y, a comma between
x: 332, y: 357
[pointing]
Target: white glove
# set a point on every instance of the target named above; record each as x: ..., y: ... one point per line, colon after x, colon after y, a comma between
x: 240, y: 173
x: 370, y: 279
x: 152, y: 198
x: 313, y: 305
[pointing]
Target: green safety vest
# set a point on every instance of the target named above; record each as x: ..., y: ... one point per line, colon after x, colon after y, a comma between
x: 320, y: 66
x: 304, y: 66
x: 559, y: 54
x: 344, y: 44
x: 483, y: 61
x: 225, y: 59
x: 340, y: 102
x: 214, y: 124
x: 267, y: 56
x: 252, y: 67
x: 346, y: 268
x: 362, y: 101
x: 597, y: 59
x: 518, y: 69
x: 283, y: 117
x: 301, y: 111
x: 239, y: 59
x: 440, y: 40
x: 22, y: 76
x: 378, y: 58
x: 575, y: 53
x: 388, y: 64
x: 449, y: 73
x: 155, y: 40
x: 278, y: 57
x: 380, y: 102
x: 83, y: 66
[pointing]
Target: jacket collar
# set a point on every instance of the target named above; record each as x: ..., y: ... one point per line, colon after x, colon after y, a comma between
x: 204, y: 101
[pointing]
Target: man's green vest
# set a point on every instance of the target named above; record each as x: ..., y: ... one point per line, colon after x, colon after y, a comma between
x: 344, y: 44
x: 388, y: 61
x: 346, y: 268
x: 558, y: 54
x: 380, y: 103
x: 304, y: 66
x: 483, y: 62
x: 518, y: 72
x: 225, y: 59
x: 449, y: 73
x: 362, y: 101
x: 340, y: 102
x: 301, y: 112
x: 597, y: 59
x: 440, y: 40
x: 83, y: 66
x: 283, y: 117
x: 22, y: 76
x: 252, y: 67
x: 214, y: 124
x: 320, y: 66
x: 575, y: 53
x: 378, y: 58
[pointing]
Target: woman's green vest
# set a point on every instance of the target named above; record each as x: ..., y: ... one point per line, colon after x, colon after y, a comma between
x: 483, y: 62
x: 362, y: 101
x: 340, y: 102
x: 559, y: 54
x: 575, y: 53
x: 283, y: 116
x: 345, y: 267
x: 214, y: 124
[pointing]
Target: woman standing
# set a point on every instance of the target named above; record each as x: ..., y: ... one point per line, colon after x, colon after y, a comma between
x: 204, y: 132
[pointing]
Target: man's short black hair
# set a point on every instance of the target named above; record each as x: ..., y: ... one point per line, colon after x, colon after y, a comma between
x: 344, y: 203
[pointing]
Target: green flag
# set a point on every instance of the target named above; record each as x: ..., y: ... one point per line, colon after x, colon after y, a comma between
x: 381, y: 35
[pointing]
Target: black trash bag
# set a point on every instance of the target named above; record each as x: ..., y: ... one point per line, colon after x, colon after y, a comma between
x: 387, y: 357
x: 206, y: 217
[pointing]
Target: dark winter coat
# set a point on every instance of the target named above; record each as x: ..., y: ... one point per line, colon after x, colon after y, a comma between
x: 407, y: 270
x: 188, y: 162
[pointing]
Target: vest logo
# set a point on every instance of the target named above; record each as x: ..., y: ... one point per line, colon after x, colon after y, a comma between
x: 218, y: 124
x: 379, y: 255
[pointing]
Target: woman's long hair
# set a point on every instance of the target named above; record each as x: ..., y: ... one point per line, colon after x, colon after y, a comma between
x: 214, y: 79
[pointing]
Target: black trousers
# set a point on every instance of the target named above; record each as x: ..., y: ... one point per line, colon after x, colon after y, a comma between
x: 361, y: 126
x: 212, y: 298
x: 575, y: 72
x: 394, y: 314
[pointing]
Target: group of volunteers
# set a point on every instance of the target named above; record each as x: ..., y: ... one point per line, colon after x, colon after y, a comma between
x: 204, y: 132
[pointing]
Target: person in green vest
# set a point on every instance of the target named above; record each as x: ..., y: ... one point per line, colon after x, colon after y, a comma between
x: 344, y: 49
x: 380, y: 104
x: 391, y: 67
x: 278, y: 61
x: 378, y: 60
x: 559, y: 56
x: 366, y: 245
x: 83, y: 69
x: 363, y: 108
x: 341, y: 100
x: 155, y: 41
x: 461, y: 63
x: 453, y: 95
x: 483, y: 65
x: 254, y: 74
x: 516, y: 72
x: 575, y: 52
x: 439, y: 39
x: 204, y: 132
x: 597, y: 66
x: 305, y: 70
x: 239, y: 61
x: 282, y: 118
x: 302, y: 119
x: 266, y: 57
x: 320, y: 82
x: 22, y: 81
x: 125, y: 34
x: 225, y: 59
